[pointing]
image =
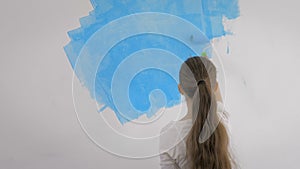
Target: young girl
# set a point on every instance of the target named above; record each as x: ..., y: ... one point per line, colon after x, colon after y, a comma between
x: 200, y: 139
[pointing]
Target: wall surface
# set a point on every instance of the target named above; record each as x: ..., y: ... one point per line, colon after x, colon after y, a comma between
x: 38, y: 125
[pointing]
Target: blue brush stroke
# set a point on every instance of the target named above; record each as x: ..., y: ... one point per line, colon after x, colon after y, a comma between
x: 150, y: 89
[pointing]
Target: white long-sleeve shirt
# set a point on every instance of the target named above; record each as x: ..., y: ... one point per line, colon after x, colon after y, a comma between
x: 173, y: 142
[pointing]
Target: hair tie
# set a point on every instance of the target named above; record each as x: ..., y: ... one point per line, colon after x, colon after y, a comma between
x: 202, y: 81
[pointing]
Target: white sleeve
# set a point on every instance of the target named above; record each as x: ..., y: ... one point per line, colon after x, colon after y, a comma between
x: 166, y: 162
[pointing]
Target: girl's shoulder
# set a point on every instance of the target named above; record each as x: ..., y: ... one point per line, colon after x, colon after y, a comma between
x: 173, y: 133
x: 176, y: 126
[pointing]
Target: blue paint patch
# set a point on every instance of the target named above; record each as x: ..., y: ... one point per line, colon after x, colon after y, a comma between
x: 114, y: 36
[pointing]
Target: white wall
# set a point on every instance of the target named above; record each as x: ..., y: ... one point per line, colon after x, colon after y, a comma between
x: 38, y: 126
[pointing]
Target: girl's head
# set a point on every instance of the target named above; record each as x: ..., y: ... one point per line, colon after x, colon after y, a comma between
x: 207, y: 141
x: 192, y: 71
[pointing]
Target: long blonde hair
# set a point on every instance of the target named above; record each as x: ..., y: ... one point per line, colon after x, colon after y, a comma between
x: 214, y: 152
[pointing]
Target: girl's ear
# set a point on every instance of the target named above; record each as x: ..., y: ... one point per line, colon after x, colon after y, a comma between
x: 180, y: 89
x: 217, y: 86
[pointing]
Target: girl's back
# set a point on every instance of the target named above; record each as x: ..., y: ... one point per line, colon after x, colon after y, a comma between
x: 173, y: 142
